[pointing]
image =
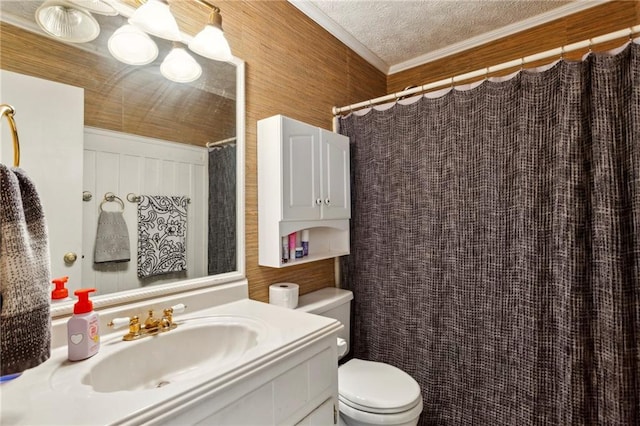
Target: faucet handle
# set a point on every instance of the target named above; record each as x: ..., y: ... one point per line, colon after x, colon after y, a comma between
x: 134, y: 327
x: 167, y: 319
x: 119, y: 322
x: 179, y: 308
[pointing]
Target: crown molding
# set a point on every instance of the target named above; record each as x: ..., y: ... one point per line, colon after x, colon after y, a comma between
x: 313, y: 12
x: 491, y: 36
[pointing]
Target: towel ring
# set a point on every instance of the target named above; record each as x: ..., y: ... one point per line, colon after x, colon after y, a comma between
x: 110, y: 197
x: 9, y: 112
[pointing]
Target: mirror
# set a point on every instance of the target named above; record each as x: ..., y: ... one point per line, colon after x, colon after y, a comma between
x: 140, y: 111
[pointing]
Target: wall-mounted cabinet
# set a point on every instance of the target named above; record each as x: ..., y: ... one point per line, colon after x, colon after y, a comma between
x: 303, y: 183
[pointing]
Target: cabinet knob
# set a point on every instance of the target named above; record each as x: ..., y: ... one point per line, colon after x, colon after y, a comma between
x: 327, y: 201
x: 319, y: 201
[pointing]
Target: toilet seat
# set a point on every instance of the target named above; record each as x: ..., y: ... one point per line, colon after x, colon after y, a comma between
x: 378, y: 388
x: 404, y: 418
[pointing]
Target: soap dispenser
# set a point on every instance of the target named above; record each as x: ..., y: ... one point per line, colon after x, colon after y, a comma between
x: 83, y: 333
x: 60, y: 293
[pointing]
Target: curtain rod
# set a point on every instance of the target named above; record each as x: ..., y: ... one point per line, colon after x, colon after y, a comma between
x: 485, y: 71
x: 222, y: 142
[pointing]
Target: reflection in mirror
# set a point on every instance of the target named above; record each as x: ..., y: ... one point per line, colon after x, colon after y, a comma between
x: 143, y: 138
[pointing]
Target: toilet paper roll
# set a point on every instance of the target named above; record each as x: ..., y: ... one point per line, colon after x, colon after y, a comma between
x: 284, y: 294
x: 343, y: 347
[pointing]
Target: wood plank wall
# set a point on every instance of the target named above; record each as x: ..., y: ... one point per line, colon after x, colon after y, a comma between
x: 293, y: 67
x: 599, y: 20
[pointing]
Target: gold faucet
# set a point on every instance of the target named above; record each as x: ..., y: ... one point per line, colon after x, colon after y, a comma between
x: 152, y: 325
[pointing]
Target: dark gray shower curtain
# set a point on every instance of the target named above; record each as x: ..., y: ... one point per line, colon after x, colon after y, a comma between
x: 496, y: 246
x: 222, y: 209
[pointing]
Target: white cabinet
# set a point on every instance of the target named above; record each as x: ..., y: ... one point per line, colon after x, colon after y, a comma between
x: 299, y: 389
x: 321, y: 416
x: 303, y: 183
x: 315, y: 169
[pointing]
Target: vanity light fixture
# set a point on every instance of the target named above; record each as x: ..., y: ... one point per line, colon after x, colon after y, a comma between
x: 67, y: 22
x: 210, y: 42
x: 131, y: 45
x: 71, y: 21
x: 179, y: 66
x: 155, y: 18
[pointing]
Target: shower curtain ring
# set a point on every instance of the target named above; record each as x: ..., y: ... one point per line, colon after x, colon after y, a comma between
x: 561, y: 52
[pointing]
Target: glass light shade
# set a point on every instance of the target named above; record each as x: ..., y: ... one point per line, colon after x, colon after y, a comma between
x: 180, y: 67
x: 132, y: 46
x: 155, y: 18
x: 66, y: 22
x: 211, y: 43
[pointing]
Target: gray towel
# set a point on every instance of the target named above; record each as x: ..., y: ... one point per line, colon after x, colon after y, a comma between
x: 112, y: 239
x: 25, y: 275
x: 162, y: 232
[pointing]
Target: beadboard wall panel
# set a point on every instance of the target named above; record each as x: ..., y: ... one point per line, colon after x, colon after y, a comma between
x: 124, y: 163
x: 593, y: 22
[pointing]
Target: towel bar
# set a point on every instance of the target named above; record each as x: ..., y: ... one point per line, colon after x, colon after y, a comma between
x: 133, y: 198
x: 9, y: 112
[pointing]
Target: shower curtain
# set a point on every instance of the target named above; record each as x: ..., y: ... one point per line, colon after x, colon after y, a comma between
x: 222, y: 209
x: 496, y: 245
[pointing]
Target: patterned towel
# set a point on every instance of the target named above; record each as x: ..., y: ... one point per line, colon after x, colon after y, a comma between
x: 25, y: 275
x: 162, y: 231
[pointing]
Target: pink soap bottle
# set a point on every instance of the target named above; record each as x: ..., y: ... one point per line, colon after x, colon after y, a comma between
x: 292, y: 245
x: 83, y: 332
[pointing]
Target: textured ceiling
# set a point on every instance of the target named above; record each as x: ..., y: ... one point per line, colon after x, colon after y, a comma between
x: 398, y: 34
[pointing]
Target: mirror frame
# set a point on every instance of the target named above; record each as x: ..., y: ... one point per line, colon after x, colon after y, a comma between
x: 63, y: 309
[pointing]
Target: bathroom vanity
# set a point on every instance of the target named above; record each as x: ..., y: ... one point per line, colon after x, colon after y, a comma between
x: 231, y: 360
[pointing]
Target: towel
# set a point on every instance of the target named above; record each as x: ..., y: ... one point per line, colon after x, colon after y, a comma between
x: 112, y: 238
x: 25, y: 275
x: 162, y: 231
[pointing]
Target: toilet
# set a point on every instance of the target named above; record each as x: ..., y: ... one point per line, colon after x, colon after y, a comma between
x: 369, y: 393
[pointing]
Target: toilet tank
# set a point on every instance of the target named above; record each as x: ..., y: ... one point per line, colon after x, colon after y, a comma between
x: 330, y: 302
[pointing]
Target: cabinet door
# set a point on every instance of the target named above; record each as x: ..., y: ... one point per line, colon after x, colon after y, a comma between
x: 300, y: 171
x: 336, y: 185
x: 323, y: 415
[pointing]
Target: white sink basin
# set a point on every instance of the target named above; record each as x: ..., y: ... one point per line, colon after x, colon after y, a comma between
x: 198, y: 347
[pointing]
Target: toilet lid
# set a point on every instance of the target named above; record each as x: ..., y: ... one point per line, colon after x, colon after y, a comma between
x: 377, y: 387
